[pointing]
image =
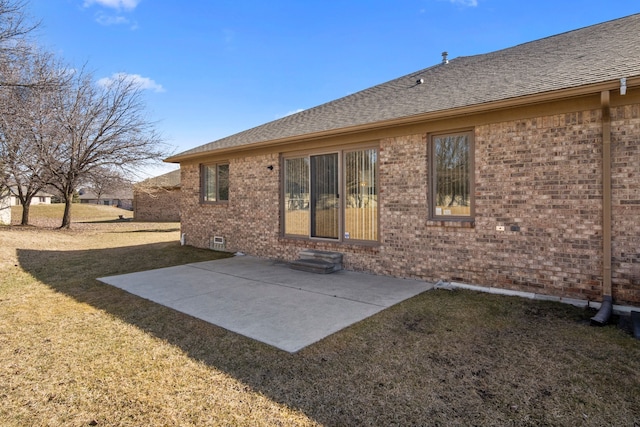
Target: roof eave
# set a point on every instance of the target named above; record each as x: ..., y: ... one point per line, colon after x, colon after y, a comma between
x: 430, y: 116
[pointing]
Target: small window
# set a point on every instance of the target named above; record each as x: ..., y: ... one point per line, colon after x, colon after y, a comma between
x: 215, y: 183
x: 452, y: 176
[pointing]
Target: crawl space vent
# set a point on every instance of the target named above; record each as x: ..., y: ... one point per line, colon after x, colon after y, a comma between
x: 217, y: 243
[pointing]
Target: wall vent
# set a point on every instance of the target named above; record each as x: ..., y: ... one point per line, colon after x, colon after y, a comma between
x: 217, y: 243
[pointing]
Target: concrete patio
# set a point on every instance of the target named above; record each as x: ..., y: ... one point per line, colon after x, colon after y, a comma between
x: 267, y: 301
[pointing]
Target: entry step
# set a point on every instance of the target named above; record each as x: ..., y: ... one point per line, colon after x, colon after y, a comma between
x: 334, y: 257
x: 321, y: 262
x: 314, y: 266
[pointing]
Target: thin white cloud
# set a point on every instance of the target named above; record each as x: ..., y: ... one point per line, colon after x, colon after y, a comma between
x: 107, y: 20
x: 469, y: 3
x: 143, y: 82
x: 114, y: 4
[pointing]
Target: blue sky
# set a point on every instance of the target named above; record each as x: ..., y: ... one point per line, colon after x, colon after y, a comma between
x: 214, y: 68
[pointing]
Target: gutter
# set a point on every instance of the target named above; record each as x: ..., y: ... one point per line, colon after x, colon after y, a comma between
x: 602, y: 316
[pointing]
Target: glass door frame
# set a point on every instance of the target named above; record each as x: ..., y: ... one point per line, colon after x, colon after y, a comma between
x: 335, y: 180
x: 341, y: 153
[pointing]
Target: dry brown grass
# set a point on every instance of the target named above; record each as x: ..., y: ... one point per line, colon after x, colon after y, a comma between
x: 75, y: 352
x: 50, y: 216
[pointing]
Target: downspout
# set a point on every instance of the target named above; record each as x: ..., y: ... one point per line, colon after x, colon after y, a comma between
x: 602, y: 316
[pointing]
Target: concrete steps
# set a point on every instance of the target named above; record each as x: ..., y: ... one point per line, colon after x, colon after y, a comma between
x: 319, y: 262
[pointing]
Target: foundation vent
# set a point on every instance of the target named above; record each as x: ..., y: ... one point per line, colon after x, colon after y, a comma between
x: 217, y: 243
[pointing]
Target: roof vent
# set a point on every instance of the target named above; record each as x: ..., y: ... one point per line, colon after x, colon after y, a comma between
x: 419, y: 81
x: 444, y: 57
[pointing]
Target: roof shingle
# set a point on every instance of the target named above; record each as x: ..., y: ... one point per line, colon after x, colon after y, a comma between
x: 169, y: 179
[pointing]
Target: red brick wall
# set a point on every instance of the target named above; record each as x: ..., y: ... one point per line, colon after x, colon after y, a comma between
x: 542, y: 175
x: 625, y: 170
x: 249, y: 221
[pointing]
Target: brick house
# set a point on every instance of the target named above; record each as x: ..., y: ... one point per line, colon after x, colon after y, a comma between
x: 122, y: 199
x: 158, y: 198
x: 517, y: 169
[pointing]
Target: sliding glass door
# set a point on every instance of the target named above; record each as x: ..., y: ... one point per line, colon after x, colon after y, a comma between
x: 325, y: 196
x: 332, y: 196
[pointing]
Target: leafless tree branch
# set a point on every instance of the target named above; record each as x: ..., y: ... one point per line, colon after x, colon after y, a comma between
x: 26, y: 124
x: 101, y: 127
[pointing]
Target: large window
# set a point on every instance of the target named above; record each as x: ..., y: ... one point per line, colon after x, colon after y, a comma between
x: 361, y: 201
x: 215, y: 183
x: 296, y: 196
x: 332, y: 196
x: 452, y: 176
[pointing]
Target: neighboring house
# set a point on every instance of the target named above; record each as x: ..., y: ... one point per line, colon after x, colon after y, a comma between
x: 40, y: 198
x: 8, y: 198
x: 158, y: 198
x: 121, y: 199
x: 517, y: 169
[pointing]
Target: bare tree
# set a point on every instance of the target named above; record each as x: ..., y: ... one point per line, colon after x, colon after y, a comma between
x: 100, y: 126
x: 19, y: 161
x: 103, y: 180
x: 60, y: 127
x: 14, y: 26
x: 26, y: 123
x: 13, y: 20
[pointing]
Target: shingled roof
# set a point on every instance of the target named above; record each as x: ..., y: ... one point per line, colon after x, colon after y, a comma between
x: 167, y: 180
x: 587, y: 56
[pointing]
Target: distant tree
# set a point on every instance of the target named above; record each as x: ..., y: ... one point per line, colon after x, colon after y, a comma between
x: 101, y: 126
x: 104, y: 180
